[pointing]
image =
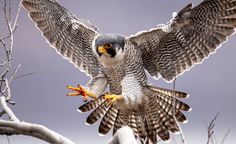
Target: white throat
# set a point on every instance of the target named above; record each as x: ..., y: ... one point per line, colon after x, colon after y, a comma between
x: 106, y: 60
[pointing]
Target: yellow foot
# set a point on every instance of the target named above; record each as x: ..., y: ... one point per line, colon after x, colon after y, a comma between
x: 111, y: 98
x: 79, y: 90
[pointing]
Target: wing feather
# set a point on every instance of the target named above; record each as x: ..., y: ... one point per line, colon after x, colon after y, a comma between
x: 194, y: 34
x: 71, y: 37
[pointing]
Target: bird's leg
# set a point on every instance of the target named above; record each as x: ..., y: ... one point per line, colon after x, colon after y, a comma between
x: 111, y: 98
x: 80, y: 90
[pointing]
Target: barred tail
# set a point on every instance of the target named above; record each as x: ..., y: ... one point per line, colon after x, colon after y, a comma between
x: 108, y: 114
x: 161, y: 110
x: 155, y: 117
x: 152, y: 118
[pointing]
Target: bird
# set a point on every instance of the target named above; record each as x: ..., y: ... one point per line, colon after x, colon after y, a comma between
x: 123, y: 63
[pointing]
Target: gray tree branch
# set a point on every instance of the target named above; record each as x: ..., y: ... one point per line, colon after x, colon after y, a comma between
x: 34, y: 130
x: 124, y: 135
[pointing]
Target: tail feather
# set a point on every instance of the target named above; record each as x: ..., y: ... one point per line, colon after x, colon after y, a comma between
x: 91, y: 104
x: 166, y: 100
x: 154, y: 117
x: 151, y: 123
x: 166, y: 103
x: 169, y: 92
x: 118, y: 123
x: 98, y: 113
x: 133, y: 119
x: 166, y: 96
x: 168, y: 119
x: 161, y: 121
x: 133, y: 122
x: 140, y: 126
x: 180, y: 116
x: 151, y: 136
x: 159, y: 113
x: 108, y: 120
x: 162, y: 131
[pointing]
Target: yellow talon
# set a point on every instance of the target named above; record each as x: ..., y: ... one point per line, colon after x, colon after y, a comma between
x: 72, y: 94
x: 111, y: 98
x: 79, y: 90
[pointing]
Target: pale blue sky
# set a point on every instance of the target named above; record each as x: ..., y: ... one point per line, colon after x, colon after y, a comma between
x: 40, y: 98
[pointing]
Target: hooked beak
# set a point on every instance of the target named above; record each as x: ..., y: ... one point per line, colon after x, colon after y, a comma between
x: 102, y: 49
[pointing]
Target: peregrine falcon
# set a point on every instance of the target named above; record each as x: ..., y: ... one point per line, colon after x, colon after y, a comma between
x: 121, y: 63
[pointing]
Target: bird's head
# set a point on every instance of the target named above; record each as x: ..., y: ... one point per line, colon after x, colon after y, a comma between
x: 109, y: 46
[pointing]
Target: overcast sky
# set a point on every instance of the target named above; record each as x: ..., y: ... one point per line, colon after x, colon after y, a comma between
x: 40, y: 98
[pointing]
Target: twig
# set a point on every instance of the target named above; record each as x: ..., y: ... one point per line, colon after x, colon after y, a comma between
x: 225, y: 136
x: 2, y: 113
x: 3, y: 43
x: 14, y: 73
x: 4, y: 73
x: 3, y: 81
x: 13, y: 28
x: 16, y: 18
x: 3, y: 64
x: 5, y: 48
x: 8, y: 110
x: 8, y: 140
x: 2, y: 60
x: 178, y: 125
x: 7, y: 90
x: 1, y: 84
x: 9, y: 12
x: 210, y: 128
x: 7, y: 16
x: 24, y: 75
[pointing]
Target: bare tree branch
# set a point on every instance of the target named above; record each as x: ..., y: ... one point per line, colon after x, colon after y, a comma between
x: 6, y: 16
x: 225, y: 137
x: 6, y: 51
x: 8, y: 140
x: 11, y: 28
x: 124, y: 135
x: 14, y: 73
x: 2, y: 113
x: 15, y: 25
x: 8, y: 110
x: 210, y: 129
x: 24, y: 75
x: 7, y: 90
x: 3, y: 62
x: 34, y: 130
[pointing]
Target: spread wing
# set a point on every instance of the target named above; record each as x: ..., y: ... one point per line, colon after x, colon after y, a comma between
x: 71, y: 37
x: 188, y: 39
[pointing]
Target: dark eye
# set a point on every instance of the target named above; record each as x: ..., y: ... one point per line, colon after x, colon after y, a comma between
x: 108, y: 46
